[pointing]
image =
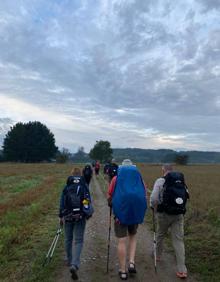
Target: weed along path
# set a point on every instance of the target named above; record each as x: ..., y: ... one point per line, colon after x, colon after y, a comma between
x: 94, y: 255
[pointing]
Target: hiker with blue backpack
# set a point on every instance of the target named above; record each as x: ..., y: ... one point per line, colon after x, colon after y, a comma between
x: 168, y: 200
x: 127, y: 198
x: 75, y: 209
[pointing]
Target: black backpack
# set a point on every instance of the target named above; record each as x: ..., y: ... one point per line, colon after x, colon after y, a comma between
x: 74, y: 194
x: 87, y: 171
x: 175, y: 194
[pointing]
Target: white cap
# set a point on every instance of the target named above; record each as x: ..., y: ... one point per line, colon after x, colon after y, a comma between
x: 127, y: 162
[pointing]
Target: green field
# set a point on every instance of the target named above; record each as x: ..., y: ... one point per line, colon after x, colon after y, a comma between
x: 28, y: 216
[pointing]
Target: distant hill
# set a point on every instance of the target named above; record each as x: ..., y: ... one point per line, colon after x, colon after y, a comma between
x: 164, y: 155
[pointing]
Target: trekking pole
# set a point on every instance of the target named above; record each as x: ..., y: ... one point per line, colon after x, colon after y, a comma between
x: 109, y: 237
x: 155, y: 250
x: 52, y: 247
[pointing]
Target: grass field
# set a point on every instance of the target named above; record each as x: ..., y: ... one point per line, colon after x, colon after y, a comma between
x: 202, y: 220
x: 28, y: 217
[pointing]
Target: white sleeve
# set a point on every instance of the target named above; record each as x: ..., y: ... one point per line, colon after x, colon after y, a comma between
x: 155, y: 195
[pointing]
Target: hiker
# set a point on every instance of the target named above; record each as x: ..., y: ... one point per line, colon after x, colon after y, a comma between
x: 75, y: 208
x: 106, y: 167
x: 97, y: 167
x: 127, y: 197
x: 87, y: 173
x: 168, y: 199
x: 112, y: 170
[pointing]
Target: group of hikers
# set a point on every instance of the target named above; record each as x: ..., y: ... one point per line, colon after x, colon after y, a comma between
x: 127, y: 199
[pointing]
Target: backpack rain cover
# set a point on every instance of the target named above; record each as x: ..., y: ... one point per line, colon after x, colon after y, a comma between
x: 129, y: 201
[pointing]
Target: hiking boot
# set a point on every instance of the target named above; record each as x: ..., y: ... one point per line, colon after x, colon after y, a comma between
x: 132, y: 268
x: 181, y: 275
x: 73, y: 271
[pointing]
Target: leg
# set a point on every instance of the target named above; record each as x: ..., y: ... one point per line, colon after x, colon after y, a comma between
x: 68, y: 229
x: 177, y: 233
x: 132, y: 231
x: 162, y: 228
x: 121, y: 234
x: 122, y: 253
x: 79, y: 230
x: 132, y: 247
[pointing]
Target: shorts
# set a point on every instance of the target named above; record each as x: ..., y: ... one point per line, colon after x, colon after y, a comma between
x: 122, y: 230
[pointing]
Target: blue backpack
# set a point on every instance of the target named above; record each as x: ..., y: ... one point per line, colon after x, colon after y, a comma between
x: 129, y: 201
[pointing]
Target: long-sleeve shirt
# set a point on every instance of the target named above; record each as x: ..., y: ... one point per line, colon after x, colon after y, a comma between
x: 111, y: 187
x: 157, y: 193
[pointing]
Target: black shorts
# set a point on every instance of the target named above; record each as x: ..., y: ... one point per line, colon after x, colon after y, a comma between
x: 122, y: 230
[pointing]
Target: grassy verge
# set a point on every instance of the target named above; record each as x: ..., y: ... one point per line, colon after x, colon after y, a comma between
x: 24, y: 238
x: 29, y: 223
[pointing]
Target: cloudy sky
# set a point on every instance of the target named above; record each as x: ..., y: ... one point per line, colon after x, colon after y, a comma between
x: 138, y: 73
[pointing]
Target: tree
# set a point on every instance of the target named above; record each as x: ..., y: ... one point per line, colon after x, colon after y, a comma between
x: 1, y: 156
x: 101, y: 151
x: 181, y: 159
x: 29, y: 142
x: 63, y: 156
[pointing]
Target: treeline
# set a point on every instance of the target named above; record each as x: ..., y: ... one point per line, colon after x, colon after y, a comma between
x: 34, y: 142
x: 166, y: 156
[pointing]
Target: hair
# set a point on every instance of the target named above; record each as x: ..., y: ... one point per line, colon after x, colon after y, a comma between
x: 76, y: 171
x: 167, y: 167
x: 127, y: 162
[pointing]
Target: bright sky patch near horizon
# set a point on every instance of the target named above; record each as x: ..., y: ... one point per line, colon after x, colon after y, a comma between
x: 139, y: 73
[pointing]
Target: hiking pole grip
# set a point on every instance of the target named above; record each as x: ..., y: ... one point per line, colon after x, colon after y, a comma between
x: 109, y: 237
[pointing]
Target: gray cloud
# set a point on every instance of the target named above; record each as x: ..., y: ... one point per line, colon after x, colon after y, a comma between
x: 210, y: 4
x: 148, y: 70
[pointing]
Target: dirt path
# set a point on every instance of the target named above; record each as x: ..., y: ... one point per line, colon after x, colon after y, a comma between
x: 93, y: 262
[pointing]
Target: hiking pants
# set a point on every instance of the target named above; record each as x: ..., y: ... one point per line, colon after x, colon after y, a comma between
x: 74, y: 229
x: 176, y: 225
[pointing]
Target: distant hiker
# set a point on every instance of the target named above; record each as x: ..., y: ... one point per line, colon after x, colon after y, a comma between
x: 168, y: 198
x: 127, y: 196
x: 106, y: 167
x: 75, y: 208
x: 112, y: 170
x: 87, y: 173
x: 97, y: 167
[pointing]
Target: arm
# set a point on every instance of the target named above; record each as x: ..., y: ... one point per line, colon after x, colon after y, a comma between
x: 111, y: 189
x: 155, y: 195
x: 62, y: 203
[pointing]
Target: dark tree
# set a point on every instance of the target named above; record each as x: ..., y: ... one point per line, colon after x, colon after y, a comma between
x: 181, y: 159
x: 29, y: 142
x: 101, y: 151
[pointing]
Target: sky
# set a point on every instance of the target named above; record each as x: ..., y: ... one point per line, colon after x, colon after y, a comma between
x: 141, y: 74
